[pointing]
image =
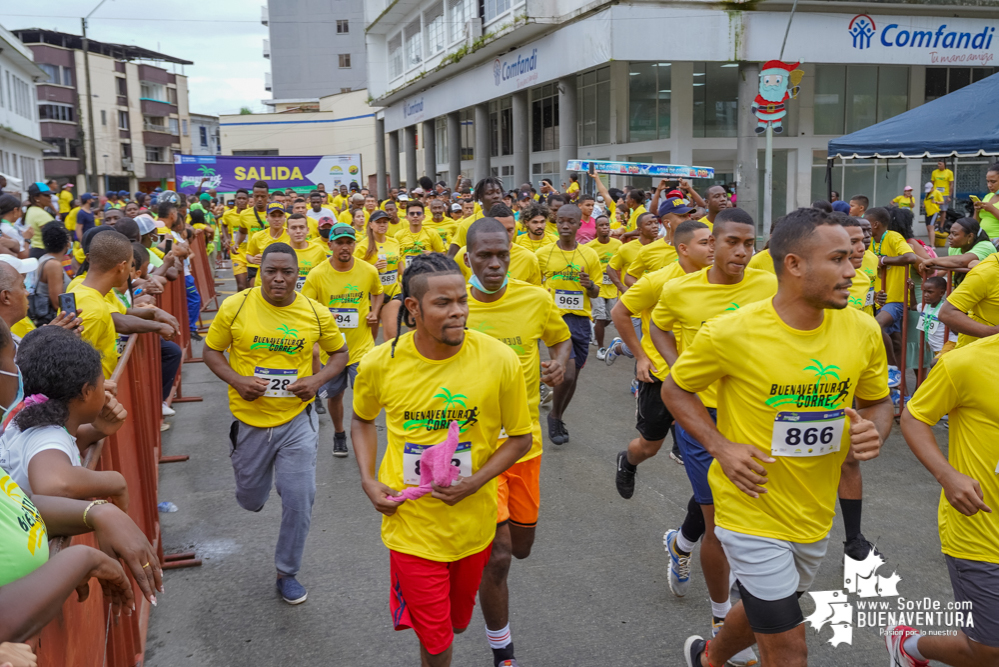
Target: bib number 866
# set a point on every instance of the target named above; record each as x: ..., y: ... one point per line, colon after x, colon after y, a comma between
x: 809, y: 436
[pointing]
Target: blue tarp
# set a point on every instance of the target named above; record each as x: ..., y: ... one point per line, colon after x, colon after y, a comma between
x: 963, y: 123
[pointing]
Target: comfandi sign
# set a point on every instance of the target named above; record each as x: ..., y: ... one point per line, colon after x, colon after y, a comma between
x: 520, y: 67
x: 412, y: 109
x: 944, y: 43
x: 228, y: 173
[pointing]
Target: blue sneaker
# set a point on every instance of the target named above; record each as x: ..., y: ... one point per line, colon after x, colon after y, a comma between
x: 894, y: 377
x: 679, y: 565
x: 612, y: 351
x: 634, y: 387
x: 896, y: 397
x: 291, y: 591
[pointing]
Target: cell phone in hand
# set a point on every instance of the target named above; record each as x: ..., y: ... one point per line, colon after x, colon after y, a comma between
x: 974, y: 198
x: 231, y: 202
x: 67, y: 302
x: 169, y: 245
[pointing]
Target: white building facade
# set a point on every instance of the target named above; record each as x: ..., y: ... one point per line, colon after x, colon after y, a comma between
x: 205, y: 138
x: 21, y: 143
x: 515, y: 89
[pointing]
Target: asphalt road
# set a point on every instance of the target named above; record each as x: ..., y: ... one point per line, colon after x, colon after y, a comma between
x: 592, y: 593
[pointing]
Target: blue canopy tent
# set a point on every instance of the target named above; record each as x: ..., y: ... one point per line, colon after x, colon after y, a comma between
x: 961, y: 124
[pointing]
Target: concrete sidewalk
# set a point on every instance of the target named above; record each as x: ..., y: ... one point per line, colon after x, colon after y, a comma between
x: 593, y: 592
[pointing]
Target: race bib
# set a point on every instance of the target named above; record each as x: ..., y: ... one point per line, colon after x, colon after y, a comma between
x: 346, y: 318
x: 300, y: 283
x: 389, y: 277
x: 869, y: 299
x: 607, y: 280
x: 933, y: 328
x: 568, y: 299
x: 807, y: 433
x: 411, y: 454
x: 278, y: 380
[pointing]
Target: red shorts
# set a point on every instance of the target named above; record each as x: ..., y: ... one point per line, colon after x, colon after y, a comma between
x: 519, y: 493
x: 434, y: 598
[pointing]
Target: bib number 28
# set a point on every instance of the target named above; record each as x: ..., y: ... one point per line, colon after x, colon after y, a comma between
x: 278, y: 380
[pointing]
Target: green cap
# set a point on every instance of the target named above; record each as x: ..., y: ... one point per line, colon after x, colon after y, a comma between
x: 341, y: 230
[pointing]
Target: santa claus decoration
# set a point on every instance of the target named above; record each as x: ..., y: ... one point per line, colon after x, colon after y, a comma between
x: 778, y: 84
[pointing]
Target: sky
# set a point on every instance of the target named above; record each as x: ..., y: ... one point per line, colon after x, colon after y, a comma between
x: 224, y: 39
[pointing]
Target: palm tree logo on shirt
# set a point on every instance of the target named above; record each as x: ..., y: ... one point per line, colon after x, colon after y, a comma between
x: 288, y: 331
x: 734, y: 306
x: 822, y: 372
x: 817, y: 395
x: 452, y: 401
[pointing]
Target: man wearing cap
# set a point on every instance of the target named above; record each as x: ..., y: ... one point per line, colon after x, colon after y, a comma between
x: 353, y: 292
x: 112, y: 200
x: 37, y: 215
x: 65, y: 200
x: 275, y: 233
x: 660, y: 252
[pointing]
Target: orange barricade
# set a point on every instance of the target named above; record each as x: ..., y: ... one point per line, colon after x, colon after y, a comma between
x: 201, y: 269
x: 174, y: 301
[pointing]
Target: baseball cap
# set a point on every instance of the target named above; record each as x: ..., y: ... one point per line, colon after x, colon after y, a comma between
x: 674, y: 205
x: 123, y: 193
x: 908, y: 187
x: 38, y: 188
x: 403, y: 197
x: 23, y: 266
x: 341, y: 230
x: 274, y: 206
x: 455, y: 207
x: 85, y: 197
x: 926, y: 188
x: 417, y: 191
x: 377, y: 215
x: 68, y: 186
x: 146, y: 224
x: 205, y: 196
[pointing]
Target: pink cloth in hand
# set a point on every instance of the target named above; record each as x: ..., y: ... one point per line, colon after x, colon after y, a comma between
x: 435, y: 467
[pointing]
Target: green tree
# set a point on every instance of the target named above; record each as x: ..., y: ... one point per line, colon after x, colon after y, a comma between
x: 243, y: 111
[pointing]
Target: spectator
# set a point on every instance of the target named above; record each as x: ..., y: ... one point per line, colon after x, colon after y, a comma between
x: 985, y: 210
x: 50, y: 280
x: 36, y: 215
x: 65, y: 200
x: 969, y: 244
x: 171, y: 218
x: 823, y: 205
x: 836, y: 203
x: 161, y: 264
x: 11, y: 240
x: 858, y: 205
x: 85, y: 217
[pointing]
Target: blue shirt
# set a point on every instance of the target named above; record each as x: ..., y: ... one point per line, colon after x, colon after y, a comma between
x: 84, y: 221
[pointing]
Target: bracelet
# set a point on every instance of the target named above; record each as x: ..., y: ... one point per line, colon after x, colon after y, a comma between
x: 92, y: 503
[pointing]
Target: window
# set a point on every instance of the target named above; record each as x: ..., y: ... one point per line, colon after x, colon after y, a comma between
x: 152, y: 91
x: 60, y: 147
x: 183, y: 127
x: 501, y: 127
x: 505, y: 174
x: 544, y: 118
x: 414, y: 44
x: 122, y: 85
x: 850, y: 98
x: 649, y: 94
x: 20, y: 96
x: 494, y: 8
x: 67, y: 76
x: 715, y: 99
x: 880, y: 180
x: 943, y: 80
x: 154, y: 123
x: 122, y: 120
x: 433, y: 22
x: 52, y: 71
x: 593, y: 106
x: 460, y: 12
x: 203, y: 134
x: 174, y: 126
x: 467, y: 120
x: 126, y: 151
x: 50, y: 111
x: 171, y: 95
x: 440, y: 132
x: 154, y: 154
x: 395, y: 56
x: 342, y: 27
x: 344, y: 61
x: 104, y: 117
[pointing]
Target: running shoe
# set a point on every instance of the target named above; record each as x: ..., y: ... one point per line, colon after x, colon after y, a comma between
x: 546, y: 394
x: 291, y: 591
x: 634, y: 387
x: 859, y: 548
x: 894, y: 377
x: 896, y: 397
x: 897, y: 657
x: 744, y: 658
x: 679, y: 565
x: 676, y: 455
x: 625, y: 478
x: 556, y: 428
x: 320, y: 408
x: 168, y: 411
x: 512, y: 662
x: 612, y: 352
x: 601, y: 354
x: 692, y: 650
x: 196, y: 336
x: 340, y: 445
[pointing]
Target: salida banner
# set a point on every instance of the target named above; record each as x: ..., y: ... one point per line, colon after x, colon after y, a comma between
x: 228, y: 173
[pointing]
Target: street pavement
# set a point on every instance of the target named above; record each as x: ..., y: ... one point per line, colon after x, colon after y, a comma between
x: 594, y: 591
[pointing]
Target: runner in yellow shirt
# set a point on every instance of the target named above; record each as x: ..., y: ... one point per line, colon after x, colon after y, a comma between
x: 439, y: 543
x: 695, y: 250
x: 384, y: 253
x: 274, y: 233
x: 784, y: 429
x: 606, y: 247
x: 617, y: 268
x: 417, y: 240
x: 660, y: 252
x: 969, y: 529
x: 521, y: 316
x: 310, y: 253
x: 488, y: 193
x: 534, y: 219
x: 523, y: 263
x: 252, y: 221
x: 353, y: 293
x: 439, y: 223
x: 566, y: 270
x: 972, y: 309
x: 231, y: 224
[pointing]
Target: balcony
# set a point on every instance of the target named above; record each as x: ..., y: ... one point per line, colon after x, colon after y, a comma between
x: 159, y: 170
x: 267, y: 49
x: 263, y: 14
x: 156, y: 108
x: 160, y: 137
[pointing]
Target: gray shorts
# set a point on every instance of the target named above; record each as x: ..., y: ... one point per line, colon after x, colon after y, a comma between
x: 338, y: 385
x: 771, y: 569
x: 976, y: 583
x: 602, y: 308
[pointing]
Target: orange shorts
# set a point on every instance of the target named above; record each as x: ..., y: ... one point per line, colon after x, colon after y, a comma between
x: 519, y: 493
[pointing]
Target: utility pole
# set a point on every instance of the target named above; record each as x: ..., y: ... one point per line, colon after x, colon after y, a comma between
x: 92, y: 157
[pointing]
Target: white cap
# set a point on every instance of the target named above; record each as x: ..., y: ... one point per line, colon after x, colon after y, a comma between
x: 403, y: 198
x: 928, y: 187
x: 455, y: 207
x: 23, y: 266
x: 146, y: 224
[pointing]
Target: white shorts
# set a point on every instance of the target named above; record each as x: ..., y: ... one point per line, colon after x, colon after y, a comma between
x: 771, y: 569
x: 602, y: 308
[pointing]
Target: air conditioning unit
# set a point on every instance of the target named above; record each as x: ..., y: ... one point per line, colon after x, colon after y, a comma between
x: 126, y: 164
x: 473, y: 29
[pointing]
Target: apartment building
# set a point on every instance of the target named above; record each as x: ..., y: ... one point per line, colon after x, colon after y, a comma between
x: 205, y: 139
x: 21, y: 146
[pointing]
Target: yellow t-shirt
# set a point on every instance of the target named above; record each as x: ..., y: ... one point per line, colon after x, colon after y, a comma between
x: 420, y: 398
x: 605, y: 252
x: 687, y: 303
x: 892, y: 245
x: 523, y: 265
x: 462, y: 231
x: 347, y: 294
x: 98, y: 327
x: 394, y: 228
x: 23, y: 326
x: 942, y: 178
x: 347, y: 217
x: 391, y: 275
x: 274, y: 344
x: 633, y: 218
x: 954, y: 387
x: 641, y: 298
x: 775, y: 371
x: 978, y: 295
x: 230, y: 219
x: 259, y: 242
x: 338, y: 201
x: 65, y: 201
x: 865, y: 284
x: 932, y: 202
x: 560, y: 274
x: 762, y: 261
x: 446, y: 228
x: 625, y: 255
x: 425, y: 240
x: 707, y: 222
x: 520, y: 318
x: 525, y: 241
x: 69, y: 222
x: 573, y: 188
x: 652, y: 257
x: 905, y: 202
x: 252, y: 223
x: 309, y: 257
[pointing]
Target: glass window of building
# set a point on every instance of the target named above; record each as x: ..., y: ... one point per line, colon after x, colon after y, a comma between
x: 395, y: 56
x: 505, y: 174
x: 878, y: 180
x: 467, y: 120
x: 830, y: 87
x: 544, y: 118
x: 433, y: 22
x: 494, y: 8
x: 414, y: 43
x: 459, y: 12
x: 440, y: 134
x: 943, y: 80
x: 850, y: 98
x: 501, y: 127
x: 715, y: 99
x: 649, y: 92
x: 593, y: 106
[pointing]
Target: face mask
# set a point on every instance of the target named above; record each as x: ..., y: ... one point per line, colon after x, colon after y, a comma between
x: 325, y: 233
x: 20, y: 390
x: 477, y: 284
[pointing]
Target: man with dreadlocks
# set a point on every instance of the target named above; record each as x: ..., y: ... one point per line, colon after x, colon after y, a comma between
x: 425, y: 380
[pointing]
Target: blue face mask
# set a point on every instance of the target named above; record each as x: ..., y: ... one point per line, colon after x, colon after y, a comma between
x: 477, y: 284
x: 20, y: 390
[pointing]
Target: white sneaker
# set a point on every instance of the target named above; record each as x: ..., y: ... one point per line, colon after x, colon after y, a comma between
x: 601, y: 354
x: 168, y: 411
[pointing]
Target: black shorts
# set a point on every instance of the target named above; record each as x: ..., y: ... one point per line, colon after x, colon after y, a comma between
x: 652, y: 418
x: 251, y: 272
x: 579, y: 329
